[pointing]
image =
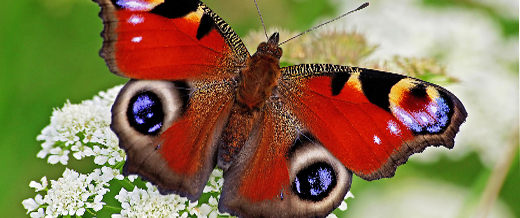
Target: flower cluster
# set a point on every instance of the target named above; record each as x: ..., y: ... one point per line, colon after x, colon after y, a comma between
x: 72, y: 194
x: 84, y: 130
x: 150, y: 203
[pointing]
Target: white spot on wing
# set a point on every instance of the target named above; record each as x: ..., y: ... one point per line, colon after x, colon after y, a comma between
x: 377, y: 140
x: 393, y: 128
x: 433, y: 108
x: 137, y: 39
x: 135, y: 19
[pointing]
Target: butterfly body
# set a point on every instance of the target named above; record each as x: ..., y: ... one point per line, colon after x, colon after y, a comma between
x: 261, y: 74
x: 288, y: 139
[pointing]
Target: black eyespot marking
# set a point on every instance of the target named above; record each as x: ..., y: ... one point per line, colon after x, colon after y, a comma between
x: 175, y: 9
x: 145, y: 113
x: 315, y: 182
x: 419, y: 90
x: 338, y: 82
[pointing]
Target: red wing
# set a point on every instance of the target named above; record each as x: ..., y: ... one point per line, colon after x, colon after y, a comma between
x: 270, y: 176
x: 372, y: 121
x: 172, y: 40
x: 169, y: 133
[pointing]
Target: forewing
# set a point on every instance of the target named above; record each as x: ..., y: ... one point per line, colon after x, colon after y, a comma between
x: 372, y: 121
x: 168, y: 39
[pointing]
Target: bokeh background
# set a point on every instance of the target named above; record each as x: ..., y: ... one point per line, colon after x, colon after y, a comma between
x: 49, y: 53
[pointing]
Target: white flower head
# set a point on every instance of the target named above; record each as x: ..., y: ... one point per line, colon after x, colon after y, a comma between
x: 68, y: 195
x: 79, y: 128
x: 149, y: 203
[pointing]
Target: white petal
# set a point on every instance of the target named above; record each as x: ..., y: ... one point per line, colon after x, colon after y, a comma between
x: 205, y: 209
x: 53, y: 159
x: 30, y: 204
x: 38, y: 214
x: 100, y: 160
x: 343, y: 206
x: 80, y: 211
x: 332, y: 216
x: 213, y: 214
x: 36, y: 186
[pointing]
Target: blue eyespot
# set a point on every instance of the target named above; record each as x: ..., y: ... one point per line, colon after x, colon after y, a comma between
x: 315, y: 182
x: 145, y: 113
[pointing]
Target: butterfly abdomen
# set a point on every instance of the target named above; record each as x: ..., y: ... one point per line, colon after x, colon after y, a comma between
x: 237, y: 131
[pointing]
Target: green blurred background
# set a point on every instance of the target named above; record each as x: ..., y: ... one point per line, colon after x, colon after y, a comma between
x: 49, y: 53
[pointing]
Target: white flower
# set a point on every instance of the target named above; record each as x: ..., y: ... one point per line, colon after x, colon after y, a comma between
x: 211, y: 209
x: 70, y: 194
x: 111, y: 152
x: 39, y: 186
x: 332, y: 216
x: 97, y: 204
x: 31, y: 204
x: 149, y: 203
x: 106, y: 174
x: 193, y: 209
x: 58, y: 155
x: 343, y: 205
x: 81, y: 151
x: 37, y: 214
x: 81, y: 127
x: 101, y: 155
x: 215, y: 182
x: 132, y: 177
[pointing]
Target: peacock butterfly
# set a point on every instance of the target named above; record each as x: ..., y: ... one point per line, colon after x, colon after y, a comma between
x: 288, y: 139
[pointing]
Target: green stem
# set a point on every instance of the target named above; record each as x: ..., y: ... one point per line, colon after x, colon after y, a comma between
x: 126, y: 184
x: 117, y: 209
x: 498, y: 176
x: 91, y: 212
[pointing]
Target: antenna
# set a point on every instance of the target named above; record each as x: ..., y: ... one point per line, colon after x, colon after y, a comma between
x: 364, y: 5
x: 261, y: 19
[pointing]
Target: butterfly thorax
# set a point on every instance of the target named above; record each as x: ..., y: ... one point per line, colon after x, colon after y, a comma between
x: 261, y: 74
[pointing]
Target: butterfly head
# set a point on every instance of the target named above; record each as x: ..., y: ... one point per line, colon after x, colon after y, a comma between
x: 271, y: 46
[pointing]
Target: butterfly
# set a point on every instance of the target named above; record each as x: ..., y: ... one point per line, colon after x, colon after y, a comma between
x: 288, y: 139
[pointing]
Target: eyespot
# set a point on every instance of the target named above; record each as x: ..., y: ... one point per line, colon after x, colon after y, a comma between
x: 420, y: 107
x: 319, y: 181
x: 145, y: 107
x: 315, y: 182
x: 145, y: 113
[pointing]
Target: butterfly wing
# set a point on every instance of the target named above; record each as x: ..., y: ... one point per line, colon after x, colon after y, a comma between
x: 372, y: 121
x: 182, y: 57
x: 169, y: 39
x: 270, y: 177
